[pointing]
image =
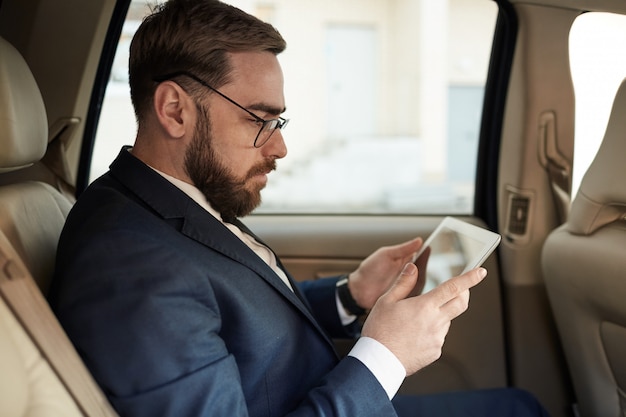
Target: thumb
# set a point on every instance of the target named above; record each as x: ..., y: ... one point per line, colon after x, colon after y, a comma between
x: 410, y: 247
x: 404, y: 283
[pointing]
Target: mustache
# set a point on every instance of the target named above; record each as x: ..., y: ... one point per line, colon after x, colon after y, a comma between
x: 262, y: 168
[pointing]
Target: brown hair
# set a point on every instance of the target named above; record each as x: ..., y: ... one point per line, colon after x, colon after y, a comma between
x: 194, y: 36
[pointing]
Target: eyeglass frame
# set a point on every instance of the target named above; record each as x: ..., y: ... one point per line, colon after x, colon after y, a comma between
x: 280, y: 122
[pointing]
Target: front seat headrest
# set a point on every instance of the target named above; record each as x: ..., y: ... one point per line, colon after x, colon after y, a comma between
x: 601, y: 198
x: 23, y: 119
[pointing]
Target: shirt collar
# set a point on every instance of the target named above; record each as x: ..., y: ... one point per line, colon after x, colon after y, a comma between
x: 193, y: 192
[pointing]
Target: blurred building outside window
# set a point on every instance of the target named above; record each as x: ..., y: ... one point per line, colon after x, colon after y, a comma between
x: 384, y: 97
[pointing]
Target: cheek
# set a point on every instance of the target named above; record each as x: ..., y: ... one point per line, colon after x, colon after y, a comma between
x: 237, y: 160
x: 233, y: 146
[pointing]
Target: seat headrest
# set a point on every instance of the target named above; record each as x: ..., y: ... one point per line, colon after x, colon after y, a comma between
x: 601, y: 198
x: 23, y: 119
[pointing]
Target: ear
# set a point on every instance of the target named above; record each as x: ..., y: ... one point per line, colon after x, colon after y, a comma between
x: 174, y: 108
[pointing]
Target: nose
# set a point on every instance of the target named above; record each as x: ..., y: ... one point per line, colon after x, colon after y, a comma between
x: 275, y: 146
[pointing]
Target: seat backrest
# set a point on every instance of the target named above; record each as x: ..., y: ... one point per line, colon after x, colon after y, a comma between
x: 42, y: 374
x: 30, y: 375
x: 584, y: 265
x: 40, y: 371
x: 32, y: 213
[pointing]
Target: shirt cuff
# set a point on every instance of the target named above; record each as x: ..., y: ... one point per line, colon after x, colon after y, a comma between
x: 345, y: 317
x: 387, y: 369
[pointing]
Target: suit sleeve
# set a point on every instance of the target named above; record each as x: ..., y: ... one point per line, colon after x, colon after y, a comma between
x: 320, y: 295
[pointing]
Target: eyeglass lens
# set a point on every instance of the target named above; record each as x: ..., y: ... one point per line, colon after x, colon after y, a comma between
x: 267, y: 129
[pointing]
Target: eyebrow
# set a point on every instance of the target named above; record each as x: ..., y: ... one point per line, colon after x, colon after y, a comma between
x: 269, y: 109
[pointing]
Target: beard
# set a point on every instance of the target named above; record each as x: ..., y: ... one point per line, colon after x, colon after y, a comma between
x: 226, y: 193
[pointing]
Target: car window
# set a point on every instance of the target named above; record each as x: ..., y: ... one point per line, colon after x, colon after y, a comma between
x: 384, y: 101
x: 598, y: 65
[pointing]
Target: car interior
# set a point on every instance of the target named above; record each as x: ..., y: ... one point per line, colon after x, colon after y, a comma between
x: 583, y: 270
x: 43, y: 372
x: 550, y: 316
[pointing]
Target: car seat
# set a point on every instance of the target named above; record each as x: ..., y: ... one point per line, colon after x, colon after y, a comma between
x: 584, y: 266
x: 32, y: 213
x: 41, y: 373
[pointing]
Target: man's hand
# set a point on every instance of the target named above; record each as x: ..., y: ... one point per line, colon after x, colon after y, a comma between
x: 377, y: 272
x: 415, y: 328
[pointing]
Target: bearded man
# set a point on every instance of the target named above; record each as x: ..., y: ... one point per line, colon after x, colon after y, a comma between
x: 179, y: 310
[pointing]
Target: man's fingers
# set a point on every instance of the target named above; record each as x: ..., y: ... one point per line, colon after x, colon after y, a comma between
x: 404, y: 284
x: 408, y: 249
x: 454, y: 287
x: 456, y: 306
x: 414, y: 329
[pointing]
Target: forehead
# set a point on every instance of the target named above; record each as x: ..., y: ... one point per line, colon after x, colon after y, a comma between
x: 255, y: 76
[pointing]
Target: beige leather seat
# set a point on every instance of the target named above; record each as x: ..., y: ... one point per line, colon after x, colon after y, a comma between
x: 584, y: 265
x: 32, y: 213
x: 40, y: 372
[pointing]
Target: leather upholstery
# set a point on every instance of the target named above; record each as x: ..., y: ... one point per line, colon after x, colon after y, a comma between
x: 32, y: 215
x: 23, y: 120
x: 28, y: 386
x: 584, y: 265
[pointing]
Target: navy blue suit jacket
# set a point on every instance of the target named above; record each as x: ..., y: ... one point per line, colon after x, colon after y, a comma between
x: 175, y: 316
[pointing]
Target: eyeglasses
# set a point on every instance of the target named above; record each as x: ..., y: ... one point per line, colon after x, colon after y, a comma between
x: 267, y: 126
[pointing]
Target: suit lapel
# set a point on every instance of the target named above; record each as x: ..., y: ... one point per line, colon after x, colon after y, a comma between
x: 174, y: 206
x: 295, y: 287
x: 204, y: 228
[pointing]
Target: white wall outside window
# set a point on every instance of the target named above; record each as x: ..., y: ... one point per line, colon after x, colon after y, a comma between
x: 598, y: 65
x: 390, y: 127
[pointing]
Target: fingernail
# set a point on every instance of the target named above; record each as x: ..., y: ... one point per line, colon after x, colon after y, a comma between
x: 482, y: 272
x: 408, y: 268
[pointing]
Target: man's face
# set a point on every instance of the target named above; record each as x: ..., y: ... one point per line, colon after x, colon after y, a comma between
x: 221, y: 159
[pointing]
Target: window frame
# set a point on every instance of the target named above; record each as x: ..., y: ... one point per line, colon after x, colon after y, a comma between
x: 496, y: 89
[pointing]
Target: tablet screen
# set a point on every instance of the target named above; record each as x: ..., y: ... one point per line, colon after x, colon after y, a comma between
x: 454, y: 247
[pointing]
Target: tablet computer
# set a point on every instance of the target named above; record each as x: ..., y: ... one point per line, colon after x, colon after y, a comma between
x: 453, y: 248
